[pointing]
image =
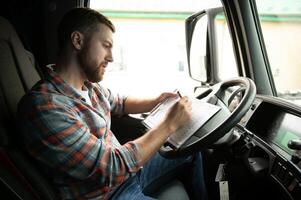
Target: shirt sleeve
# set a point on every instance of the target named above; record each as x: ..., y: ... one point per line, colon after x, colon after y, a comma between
x: 56, y: 136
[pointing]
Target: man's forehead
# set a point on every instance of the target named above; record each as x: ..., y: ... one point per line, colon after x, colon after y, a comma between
x: 105, y: 32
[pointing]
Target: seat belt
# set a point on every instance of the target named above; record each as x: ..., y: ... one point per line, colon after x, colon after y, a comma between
x: 221, y: 178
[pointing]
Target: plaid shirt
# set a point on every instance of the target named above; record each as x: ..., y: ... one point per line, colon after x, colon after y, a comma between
x: 73, y: 140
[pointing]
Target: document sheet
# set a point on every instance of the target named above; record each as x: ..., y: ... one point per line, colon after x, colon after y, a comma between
x: 201, y: 113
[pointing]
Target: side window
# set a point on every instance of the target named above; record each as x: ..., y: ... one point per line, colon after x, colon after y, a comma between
x: 281, y: 28
x: 150, y: 46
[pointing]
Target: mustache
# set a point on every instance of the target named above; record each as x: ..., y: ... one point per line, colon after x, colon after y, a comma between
x: 105, y: 64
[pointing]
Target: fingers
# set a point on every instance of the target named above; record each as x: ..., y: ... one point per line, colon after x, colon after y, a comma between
x: 164, y: 96
x: 185, y: 101
x: 180, y: 113
x: 186, y: 105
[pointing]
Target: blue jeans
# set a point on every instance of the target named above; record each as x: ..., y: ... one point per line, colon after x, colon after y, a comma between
x: 157, y: 172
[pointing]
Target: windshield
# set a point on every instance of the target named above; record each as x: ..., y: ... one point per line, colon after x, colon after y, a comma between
x: 281, y: 28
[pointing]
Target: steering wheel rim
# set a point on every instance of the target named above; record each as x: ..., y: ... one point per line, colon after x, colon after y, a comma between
x: 212, y: 131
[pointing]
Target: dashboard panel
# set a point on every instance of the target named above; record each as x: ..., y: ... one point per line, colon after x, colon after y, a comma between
x: 276, y: 125
x: 267, y: 128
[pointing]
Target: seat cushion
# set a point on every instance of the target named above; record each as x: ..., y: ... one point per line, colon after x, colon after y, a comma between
x: 172, y: 191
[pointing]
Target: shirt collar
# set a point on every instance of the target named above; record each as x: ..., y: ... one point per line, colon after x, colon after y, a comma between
x: 62, y: 86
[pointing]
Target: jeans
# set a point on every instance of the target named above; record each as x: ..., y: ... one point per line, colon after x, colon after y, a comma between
x: 157, y: 172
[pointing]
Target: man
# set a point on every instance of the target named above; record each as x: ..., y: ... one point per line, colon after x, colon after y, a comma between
x: 65, y: 120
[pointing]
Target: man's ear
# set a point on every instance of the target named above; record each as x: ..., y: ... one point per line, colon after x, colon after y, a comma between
x: 77, y: 39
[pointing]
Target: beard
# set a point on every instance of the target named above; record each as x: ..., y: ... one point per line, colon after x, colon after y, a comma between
x: 92, y: 70
x: 93, y: 73
x: 93, y: 76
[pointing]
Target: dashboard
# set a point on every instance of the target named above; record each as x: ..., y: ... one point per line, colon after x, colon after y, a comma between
x: 268, y: 127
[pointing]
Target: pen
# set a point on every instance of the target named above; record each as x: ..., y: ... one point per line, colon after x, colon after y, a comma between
x: 179, y: 94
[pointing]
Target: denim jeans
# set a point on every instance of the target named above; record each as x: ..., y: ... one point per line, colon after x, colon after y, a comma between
x: 157, y: 172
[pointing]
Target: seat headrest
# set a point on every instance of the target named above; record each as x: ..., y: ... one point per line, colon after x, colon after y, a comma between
x: 7, y: 30
x: 26, y: 69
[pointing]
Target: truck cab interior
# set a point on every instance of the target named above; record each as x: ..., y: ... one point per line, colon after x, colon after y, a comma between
x: 251, y: 147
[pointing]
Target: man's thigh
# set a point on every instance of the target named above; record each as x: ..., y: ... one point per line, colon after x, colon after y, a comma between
x: 130, y: 189
x: 158, y: 171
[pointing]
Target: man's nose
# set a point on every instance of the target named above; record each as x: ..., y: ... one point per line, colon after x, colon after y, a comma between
x: 110, y: 56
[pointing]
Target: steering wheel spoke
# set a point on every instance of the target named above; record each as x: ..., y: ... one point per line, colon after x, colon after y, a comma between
x: 216, y: 95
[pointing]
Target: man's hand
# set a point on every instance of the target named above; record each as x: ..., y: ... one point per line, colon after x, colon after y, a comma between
x: 179, y: 114
x: 164, y: 96
x: 135, y: 105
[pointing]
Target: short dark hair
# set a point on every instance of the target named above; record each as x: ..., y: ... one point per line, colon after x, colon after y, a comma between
x: 84, y: 20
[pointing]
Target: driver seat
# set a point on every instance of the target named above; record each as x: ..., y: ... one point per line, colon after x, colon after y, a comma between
x: 19, y: 176
x: 18, y: 75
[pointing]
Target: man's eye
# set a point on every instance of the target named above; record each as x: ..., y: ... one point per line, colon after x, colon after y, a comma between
x: 107, y: 45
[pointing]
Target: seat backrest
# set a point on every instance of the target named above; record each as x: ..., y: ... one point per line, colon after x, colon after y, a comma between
x: 17, y: 75
x: 17, y: 71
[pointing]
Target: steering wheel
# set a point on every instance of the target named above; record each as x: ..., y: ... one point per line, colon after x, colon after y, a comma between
x: 223, y: 121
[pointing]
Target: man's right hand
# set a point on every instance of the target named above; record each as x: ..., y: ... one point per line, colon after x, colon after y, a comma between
x: 179, y: 114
